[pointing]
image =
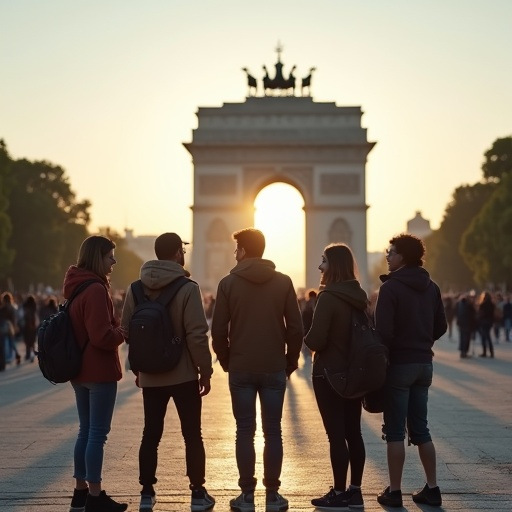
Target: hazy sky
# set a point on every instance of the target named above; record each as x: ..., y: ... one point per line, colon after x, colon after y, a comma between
x: 109, y: 90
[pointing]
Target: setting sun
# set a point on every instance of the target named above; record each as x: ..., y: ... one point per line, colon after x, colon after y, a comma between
x: 279, y: 214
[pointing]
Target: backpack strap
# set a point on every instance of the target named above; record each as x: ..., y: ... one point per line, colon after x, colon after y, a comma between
x: 138, y: 292
x: 79, y: 289
x: 165, y: 296
x: 169, y: 292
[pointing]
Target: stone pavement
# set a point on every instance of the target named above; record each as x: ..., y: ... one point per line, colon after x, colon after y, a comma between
x: 470, y: 419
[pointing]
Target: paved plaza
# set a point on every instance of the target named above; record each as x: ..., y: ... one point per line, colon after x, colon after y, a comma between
x: 470, y: 419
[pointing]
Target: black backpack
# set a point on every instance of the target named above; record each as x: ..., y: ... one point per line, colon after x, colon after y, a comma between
x: 367, y: 361
x: 153, y: 345
x: 59, y: 355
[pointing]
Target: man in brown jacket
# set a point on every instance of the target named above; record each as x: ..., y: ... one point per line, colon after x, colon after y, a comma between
x: 257, y: 336
x: 186, y: 383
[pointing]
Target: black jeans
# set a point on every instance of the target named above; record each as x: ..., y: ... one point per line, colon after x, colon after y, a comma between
x: 188, y: 405
x: 342, y: 422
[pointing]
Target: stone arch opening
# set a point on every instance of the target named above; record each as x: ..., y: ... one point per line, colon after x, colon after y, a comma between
x: 279, y: 213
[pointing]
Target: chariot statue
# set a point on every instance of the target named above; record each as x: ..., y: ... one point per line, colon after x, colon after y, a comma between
x: 283, y: 86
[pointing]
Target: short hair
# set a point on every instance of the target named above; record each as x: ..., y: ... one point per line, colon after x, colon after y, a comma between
x: 410, y: 247
x: 342, y: 265
x: 92, y: 251
x: 167, y: 245
x: 252, y: 241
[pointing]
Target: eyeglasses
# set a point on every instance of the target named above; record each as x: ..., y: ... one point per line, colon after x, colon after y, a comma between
x: 183, y: 250
x: 390, y: 252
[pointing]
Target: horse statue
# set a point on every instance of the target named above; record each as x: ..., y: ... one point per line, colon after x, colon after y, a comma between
x: 267, y: 81
x: 289, y: 83
x: 251, y: 83
x: 306, y: 82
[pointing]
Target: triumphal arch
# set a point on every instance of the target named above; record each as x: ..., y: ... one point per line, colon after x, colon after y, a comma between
x: 276, y: 136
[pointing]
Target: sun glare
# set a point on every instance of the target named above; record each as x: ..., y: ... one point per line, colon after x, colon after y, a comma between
x: 279, y: 214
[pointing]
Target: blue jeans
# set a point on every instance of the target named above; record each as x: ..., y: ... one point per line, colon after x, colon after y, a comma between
x: 244, y: 388
x: 406, y: 402
x: 95, y: 404
x: 188, y: 406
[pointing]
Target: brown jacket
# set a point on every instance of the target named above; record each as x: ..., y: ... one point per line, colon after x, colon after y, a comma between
x: 257, y: 325
x: 188, y: 320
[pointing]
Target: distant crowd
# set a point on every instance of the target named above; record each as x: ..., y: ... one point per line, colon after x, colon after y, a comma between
x: 487, y: 317
x: 484, y: 318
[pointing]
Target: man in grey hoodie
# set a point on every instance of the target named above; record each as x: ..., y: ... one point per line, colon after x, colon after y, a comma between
x: 186, y: 383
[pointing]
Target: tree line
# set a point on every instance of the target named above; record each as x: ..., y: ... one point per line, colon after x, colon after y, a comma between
x: 473, y: 246
x: 42, y: 225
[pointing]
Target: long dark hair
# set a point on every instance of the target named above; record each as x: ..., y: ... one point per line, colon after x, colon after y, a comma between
x: 342, y: 265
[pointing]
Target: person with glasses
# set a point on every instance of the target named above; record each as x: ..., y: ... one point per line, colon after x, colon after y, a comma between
x: 410, y: 317
x: 330, y: 338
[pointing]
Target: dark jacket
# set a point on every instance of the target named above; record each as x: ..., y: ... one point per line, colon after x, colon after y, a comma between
x: 465, y: 314
x: 257, y: 326
x: 92, y: 317
x: 410, y: 315
x: 331, y: 329
x: 486, y: 311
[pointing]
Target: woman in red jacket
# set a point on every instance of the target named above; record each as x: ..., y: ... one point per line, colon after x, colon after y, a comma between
x: 98, y: 333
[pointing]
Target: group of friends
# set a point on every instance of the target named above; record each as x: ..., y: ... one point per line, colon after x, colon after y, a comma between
x: 257, y: 335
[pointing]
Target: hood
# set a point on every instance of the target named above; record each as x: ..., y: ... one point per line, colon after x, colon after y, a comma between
x: 255, y: 270
x: 156, y: 274
x: 76, y: 276
x: 416, y: 278
x: 349, y: 291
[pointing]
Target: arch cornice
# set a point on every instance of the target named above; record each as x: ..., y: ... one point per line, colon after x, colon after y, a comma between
x: 311, y: 154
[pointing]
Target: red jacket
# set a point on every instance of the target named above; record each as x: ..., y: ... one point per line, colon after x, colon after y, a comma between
x: 92, y: 316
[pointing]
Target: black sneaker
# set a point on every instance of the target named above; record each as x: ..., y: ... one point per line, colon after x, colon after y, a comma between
x: 390, y: 498
x: 355, y: 498
x: 244, y: 503
x: 274, y: 502
x: 147, y: 502
x: 103, y: 503
x: 331, y: 501
x: 428, y: 496
x: 201, y: 500
x: 78, y: 500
